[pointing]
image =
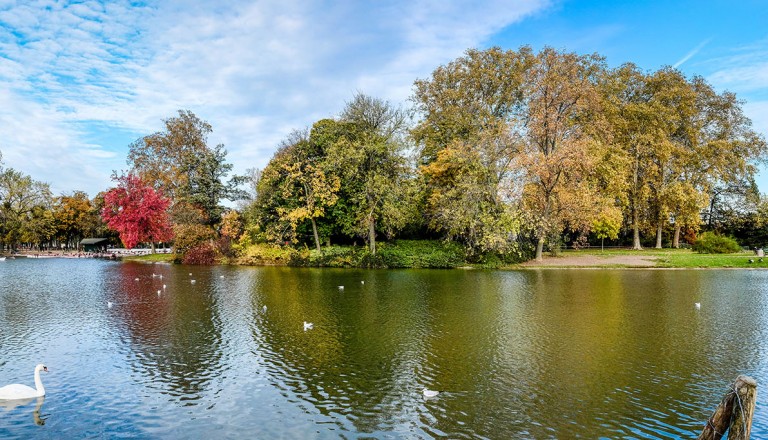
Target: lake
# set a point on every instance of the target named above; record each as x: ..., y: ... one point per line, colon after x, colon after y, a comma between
x: 550, y: 353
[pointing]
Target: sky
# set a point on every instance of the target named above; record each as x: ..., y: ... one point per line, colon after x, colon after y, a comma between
x: 81, y: 80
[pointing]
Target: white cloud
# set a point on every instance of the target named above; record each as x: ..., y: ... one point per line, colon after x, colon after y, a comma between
x: 255, y: 71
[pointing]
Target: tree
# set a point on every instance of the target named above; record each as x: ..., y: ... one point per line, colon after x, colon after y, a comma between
x: 20, y: 198
x: 368, y: 153
x: 137, y: 212
x: 180, y: 163
x: 559, y: 100
x: 75, y: 217
x: 300, y: 177
x: 468, y: 141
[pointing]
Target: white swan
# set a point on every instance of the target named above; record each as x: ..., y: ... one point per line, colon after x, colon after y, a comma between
x: 308, y: 325
x: 698, y: 305
x: 430, y: 393
x: 17, y: 391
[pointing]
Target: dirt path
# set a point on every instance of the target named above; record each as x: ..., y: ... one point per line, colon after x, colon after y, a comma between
x: 591, y: 260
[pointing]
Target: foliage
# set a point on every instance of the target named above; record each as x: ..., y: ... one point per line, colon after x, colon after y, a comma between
x: 713, y: 243
x: 264, y: 254
x: 23, y: 203
x: 75, y: 217
x: 136, y: 211
x: 180, y: 162
x: 202, y: 254
x: 190, y: 235
x: 422, y: 254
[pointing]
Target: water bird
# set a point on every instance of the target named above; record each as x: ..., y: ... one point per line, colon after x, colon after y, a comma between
x: 221, y: 276
x: 158, y: 293
x: 308, y: 326
x: 161, y: 277
x: 430, y: 393
x: 154, y: 275
x: 190, y: 274
x: 135, y: 279
x: 264, y: 309
x: 110, y: 304
x: 341, y: 287
x: 362, y: 282
x: 17, y: 391
x: 193, y: 281
x: 163, y: 286
x: 759, y: 260
x: 698, y: 305
x: 751, y: 261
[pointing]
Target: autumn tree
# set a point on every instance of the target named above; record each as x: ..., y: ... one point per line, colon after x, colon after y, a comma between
x: 137, y: 212
x: 75, y: 217
x: 560, y: 100
x: 180, y: 162
x: 468, y: 141
x: 21, y: 198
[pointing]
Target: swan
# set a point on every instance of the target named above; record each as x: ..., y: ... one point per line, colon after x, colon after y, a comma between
x: 264, y: 309
x: 698, y: 305
x: 341, y: 287
x: 110, y: 304
x: 17, y: 391
x: 430, y: 393
x: 308, y: 325
x: 193, y: 281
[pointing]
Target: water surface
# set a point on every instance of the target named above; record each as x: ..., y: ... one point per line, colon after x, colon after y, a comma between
x: 517, y: 354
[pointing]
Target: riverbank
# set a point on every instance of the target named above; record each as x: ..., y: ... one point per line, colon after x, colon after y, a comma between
x: 442, y: 255
x: 648, y: 258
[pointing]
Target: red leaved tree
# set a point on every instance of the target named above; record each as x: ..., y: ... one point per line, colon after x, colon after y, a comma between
x: 137, y: 212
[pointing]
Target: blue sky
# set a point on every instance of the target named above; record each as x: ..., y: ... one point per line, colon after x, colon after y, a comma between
x: 81, y: 80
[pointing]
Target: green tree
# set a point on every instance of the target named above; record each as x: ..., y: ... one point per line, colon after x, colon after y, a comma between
x: 369, y: 156
x: 301, y: 177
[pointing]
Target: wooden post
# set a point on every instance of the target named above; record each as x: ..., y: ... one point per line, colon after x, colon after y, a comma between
x: 734, y: 413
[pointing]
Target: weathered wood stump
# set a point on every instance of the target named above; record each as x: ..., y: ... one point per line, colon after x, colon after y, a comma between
x: 734, y: 413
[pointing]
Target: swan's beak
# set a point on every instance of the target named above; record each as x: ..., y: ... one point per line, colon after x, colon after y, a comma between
x: 45, y: 369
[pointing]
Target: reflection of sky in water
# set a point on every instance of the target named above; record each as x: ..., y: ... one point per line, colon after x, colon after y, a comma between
x: 548, y: 353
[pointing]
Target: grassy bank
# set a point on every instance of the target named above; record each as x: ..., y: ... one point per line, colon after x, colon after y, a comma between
x: 166, y: 258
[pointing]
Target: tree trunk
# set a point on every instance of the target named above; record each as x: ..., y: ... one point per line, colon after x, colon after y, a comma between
x: 314, y: 232
x: 734, y: 413
x: 540, y: 250
x: 636, y: 229
x: 153, y: 247
x: 676, y: 240
x: 659, y: 229
x: 372, y: 235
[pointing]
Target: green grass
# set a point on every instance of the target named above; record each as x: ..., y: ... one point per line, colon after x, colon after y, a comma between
x: 152, y: 257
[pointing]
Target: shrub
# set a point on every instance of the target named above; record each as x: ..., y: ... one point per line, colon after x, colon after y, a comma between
x: 712, y: 243
x: 267, y: 254
x: 203, y: 253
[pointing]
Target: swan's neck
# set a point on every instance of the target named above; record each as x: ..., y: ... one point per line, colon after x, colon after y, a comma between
x: 39, y: 383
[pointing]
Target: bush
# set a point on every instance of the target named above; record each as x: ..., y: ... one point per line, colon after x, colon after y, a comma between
x: 267, y: 254
x: 712, y: 243
x: 203, y: 253
x: 419, y: 253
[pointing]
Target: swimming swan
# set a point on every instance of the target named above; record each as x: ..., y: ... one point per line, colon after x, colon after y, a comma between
x: 17, y: 391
